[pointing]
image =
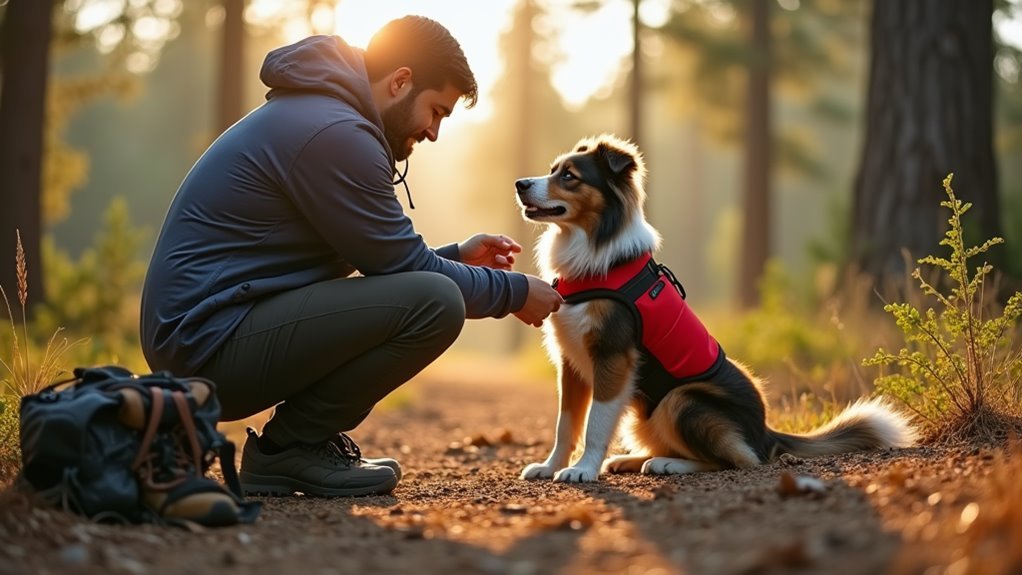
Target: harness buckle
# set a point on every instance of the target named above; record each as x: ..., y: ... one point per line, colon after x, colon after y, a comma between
x: 666, y: 271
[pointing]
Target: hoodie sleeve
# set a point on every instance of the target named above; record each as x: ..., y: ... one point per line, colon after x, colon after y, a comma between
x: 341, y: 182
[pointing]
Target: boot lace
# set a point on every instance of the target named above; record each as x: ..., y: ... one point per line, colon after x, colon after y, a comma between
x: 328, y: 451
x: 347, y: 447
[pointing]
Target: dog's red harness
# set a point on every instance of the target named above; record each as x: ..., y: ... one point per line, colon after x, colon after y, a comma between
x: 670, y: 331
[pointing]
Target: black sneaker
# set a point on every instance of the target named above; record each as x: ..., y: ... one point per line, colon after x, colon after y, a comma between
x: 320, y: 469
x: 348, y: 446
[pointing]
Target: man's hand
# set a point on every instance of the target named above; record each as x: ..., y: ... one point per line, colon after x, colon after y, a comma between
x: 542, y: 301
x: 490, y: 251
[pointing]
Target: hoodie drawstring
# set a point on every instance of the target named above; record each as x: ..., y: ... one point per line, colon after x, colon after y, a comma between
x: 401, y: 180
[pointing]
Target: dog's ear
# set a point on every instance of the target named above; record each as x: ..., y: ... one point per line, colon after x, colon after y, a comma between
x: 621, y: 162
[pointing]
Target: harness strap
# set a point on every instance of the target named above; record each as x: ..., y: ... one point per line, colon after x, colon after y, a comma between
x: 630, y: 291
x: 635, y: 284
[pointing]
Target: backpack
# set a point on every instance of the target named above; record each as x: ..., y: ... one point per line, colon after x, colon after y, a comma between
x: 116, y: 446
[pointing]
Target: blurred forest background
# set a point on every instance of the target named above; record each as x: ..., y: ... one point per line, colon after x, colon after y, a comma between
x: 796, y: 148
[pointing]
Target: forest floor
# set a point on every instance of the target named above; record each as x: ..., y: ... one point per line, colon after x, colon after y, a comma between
x: 461, y: 508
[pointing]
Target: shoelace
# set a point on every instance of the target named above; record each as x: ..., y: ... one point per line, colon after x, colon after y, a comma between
x: 329, y: 450
x: 347, y: 447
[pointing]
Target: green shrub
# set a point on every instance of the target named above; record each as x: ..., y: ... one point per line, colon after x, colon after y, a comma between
x: 958, y: 370
x: 796, y: 342
x: 97, y: 295
x: 783, y: 332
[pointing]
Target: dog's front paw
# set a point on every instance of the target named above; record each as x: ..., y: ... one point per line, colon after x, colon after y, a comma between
x: 576, y: 475
x: 538, y: 471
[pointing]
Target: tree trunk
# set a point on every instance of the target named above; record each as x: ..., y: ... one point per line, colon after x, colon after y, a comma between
x: 756, y: 222
x: 929, y: 113
x: 26, y: 50
x: 232, y: 52
x: 635, y: 88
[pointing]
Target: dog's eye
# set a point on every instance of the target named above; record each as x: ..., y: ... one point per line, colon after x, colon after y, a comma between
x: 568, y: 176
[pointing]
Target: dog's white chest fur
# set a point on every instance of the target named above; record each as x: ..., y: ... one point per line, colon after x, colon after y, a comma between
x: 572, y: 252
x: 566, y: 333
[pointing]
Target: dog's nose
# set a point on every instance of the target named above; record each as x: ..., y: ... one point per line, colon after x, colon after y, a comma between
x: 523, y: 184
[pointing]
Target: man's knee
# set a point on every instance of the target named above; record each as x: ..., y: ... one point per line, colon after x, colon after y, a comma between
x: 444, y: 297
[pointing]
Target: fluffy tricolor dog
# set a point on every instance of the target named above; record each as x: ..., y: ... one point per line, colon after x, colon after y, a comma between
x: 626, y: 341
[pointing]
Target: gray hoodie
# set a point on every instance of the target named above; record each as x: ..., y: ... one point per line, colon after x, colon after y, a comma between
x: 297, y: 192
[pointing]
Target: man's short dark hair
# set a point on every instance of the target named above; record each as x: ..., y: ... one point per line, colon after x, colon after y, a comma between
x: 428, y: 49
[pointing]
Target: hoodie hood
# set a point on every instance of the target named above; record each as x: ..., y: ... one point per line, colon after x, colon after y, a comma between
x: 324, y: 65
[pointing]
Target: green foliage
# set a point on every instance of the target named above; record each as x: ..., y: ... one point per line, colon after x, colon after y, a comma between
x: 65, y: 168
x: 799, y: 347
x: 782, y: 331
x: 958, y: 363
x: 97, y: 295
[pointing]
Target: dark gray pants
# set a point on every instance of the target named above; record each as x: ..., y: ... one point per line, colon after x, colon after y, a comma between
x: 325, y: 354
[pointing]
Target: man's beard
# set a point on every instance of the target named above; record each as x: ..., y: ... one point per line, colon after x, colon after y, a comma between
x: 396, y: 126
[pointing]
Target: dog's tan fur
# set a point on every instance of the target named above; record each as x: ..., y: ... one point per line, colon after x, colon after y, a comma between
x: 592, y: 203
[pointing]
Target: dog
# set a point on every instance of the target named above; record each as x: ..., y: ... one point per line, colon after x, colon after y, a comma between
x: 626, y: 342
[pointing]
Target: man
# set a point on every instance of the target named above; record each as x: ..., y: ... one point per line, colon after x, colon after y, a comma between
x: 287, y: 272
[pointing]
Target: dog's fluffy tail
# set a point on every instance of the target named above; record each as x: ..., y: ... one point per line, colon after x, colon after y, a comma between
x: 865, y: 425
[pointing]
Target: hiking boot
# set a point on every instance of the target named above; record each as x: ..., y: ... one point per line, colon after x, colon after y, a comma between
x: 320, y: 469
x: 348, y: 446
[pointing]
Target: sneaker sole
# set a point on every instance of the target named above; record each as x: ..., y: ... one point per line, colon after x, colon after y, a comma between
x: 276, y: 486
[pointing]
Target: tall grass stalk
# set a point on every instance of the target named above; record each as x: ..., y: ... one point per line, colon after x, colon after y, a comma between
x: 25, y: 379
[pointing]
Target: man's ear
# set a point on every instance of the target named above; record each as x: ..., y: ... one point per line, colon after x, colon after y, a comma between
x: 401, y: 82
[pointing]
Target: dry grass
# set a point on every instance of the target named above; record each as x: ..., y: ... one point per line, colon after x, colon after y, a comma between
x: 986, y: 424
x: 24, y: 377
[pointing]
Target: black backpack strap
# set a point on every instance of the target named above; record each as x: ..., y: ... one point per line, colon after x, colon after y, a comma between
x: 227, y: 451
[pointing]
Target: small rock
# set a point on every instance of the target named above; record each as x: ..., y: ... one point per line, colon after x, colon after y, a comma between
x: 790, y: 460
x: 799, y: 485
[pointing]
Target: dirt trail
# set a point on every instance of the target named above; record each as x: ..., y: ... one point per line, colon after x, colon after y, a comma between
x: 461, y: 508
